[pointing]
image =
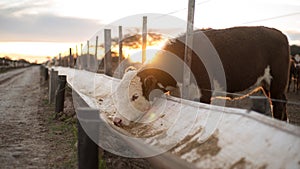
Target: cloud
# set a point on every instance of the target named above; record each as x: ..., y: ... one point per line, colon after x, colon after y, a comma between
x: 27, y: 23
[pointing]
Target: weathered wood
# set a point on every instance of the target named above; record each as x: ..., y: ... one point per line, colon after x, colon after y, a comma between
x: 60, y: 93
x: 71, y: 59
x: 144, y: 37
x: 120, y: 52
x: 88, y: 55
x: 96, y: 48
x: 52, y: 85
x: 87, y: 148
x: 188, y: 49
x: 107, y: 57
x: 60, y: 60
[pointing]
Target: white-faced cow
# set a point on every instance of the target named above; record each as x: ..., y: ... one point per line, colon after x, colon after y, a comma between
x: 249, y: 55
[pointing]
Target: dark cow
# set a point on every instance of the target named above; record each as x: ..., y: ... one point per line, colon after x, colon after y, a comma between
x: 294, y: 76
x: 248, y: 54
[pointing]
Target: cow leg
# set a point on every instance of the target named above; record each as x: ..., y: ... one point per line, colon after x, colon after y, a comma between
x: 279, y: 103
x: 205, y: 96
x: 297, y: 83
x: 290, y: 80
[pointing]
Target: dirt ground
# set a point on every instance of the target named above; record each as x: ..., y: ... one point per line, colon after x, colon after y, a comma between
x: 29, y: 137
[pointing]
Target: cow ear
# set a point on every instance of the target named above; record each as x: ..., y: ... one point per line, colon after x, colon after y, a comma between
x: 150, y: 82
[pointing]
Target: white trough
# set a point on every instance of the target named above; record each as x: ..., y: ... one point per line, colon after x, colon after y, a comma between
x: 207, y: 136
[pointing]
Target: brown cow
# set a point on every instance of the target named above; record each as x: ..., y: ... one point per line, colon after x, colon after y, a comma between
x: 248, y: 54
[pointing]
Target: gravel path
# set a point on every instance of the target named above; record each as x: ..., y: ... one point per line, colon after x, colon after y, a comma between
x: 22, y: 133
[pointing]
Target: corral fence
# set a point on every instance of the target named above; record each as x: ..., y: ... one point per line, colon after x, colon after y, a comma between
x: 257, y: 133
x: 7, y: 64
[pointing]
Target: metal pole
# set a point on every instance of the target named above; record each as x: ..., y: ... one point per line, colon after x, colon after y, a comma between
x: 188, y: 50
x: 144, y: 36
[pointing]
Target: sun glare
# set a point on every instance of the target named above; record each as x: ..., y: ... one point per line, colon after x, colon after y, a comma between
x: 135, y: 54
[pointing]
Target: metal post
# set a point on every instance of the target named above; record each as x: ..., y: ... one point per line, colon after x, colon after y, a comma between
x: 60, y: 93
x: 144, y: 36
x: 88, y: 134
x: 107, y: 57
x: 188, y: 50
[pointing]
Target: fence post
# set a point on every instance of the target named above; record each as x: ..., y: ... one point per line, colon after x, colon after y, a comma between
x: 52, y: 85
x: 120, y: 52
x: 188, y: 50
x: 59, y: 59
x: 144, y: 36
x: 107, y: 57
x: 60, y: 93
x: 71, y: 62
x: 88, y: 55
x: 88, y: 120
x: 96, y: 48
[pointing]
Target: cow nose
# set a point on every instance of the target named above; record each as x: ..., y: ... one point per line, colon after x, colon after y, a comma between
x: 117, y: 121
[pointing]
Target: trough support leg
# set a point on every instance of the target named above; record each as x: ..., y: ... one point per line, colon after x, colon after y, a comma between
x: 52, y: 85
x: 45, y: 71
x: 60, y: 94
x: 88, y: 135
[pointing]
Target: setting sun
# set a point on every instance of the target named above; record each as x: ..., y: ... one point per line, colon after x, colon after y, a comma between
x: 134, y: 53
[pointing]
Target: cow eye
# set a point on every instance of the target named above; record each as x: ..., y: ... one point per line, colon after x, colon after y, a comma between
x: 134, y: 97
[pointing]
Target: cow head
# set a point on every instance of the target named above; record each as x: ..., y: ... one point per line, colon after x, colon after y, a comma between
x: 129, y: 100
x: 132, y: 97
x: 153, y: 79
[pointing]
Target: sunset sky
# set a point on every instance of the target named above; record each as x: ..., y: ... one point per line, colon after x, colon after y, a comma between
x: 35, y: 29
